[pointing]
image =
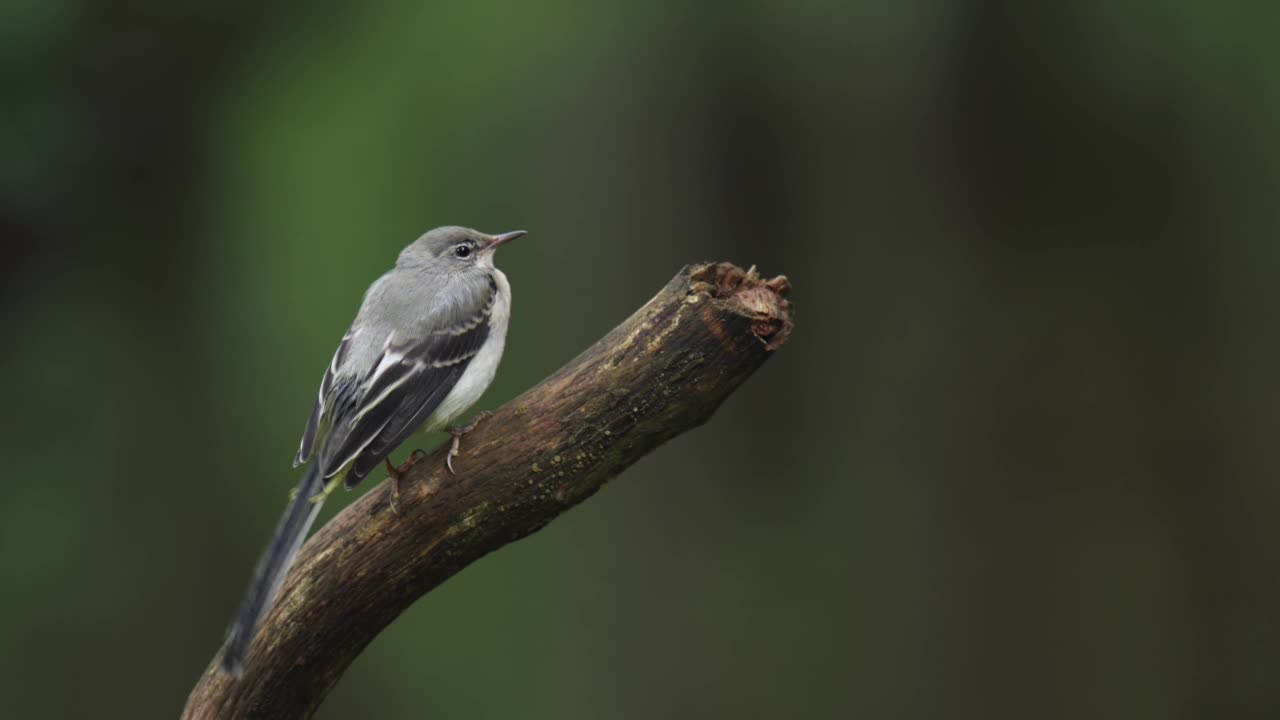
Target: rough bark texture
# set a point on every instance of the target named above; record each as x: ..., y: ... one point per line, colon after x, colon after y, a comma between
x: 661, y: 372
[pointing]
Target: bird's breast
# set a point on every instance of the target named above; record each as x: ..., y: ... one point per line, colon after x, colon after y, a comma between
x: 480, y: 371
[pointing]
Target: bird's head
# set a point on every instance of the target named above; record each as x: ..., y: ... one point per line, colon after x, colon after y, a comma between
x: 455, y: 248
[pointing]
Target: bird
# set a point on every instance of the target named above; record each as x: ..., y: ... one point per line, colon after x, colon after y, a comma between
x: 422, y: 349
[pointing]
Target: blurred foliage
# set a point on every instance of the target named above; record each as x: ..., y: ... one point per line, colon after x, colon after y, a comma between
x: 1017, y: 461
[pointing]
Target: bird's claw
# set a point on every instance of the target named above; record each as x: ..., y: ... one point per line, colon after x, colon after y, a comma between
x: 457, y: 433
x: 396, y: 472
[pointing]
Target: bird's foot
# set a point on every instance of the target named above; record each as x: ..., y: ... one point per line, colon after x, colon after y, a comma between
x: 398, y: 471
x: 457, y: 434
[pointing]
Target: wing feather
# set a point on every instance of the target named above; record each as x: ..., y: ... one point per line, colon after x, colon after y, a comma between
x: 431, y: 379
x: 308, y: 444
x: 363, y: 419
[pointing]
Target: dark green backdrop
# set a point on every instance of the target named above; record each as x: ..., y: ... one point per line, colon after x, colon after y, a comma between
x: 1017, y: 461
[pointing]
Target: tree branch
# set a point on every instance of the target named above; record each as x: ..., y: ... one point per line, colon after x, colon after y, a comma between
x: 661, y: 372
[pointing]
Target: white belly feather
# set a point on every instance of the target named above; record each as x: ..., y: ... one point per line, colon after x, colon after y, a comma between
x: 480, y: 371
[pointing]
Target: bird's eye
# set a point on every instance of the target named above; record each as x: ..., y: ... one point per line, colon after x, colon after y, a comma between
x: 462, y: 251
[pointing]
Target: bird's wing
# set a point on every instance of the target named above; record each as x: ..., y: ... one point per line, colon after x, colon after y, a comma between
x: 368, y: 417
x: 323, y: 396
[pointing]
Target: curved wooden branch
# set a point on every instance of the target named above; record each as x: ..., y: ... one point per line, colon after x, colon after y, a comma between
x: 661, y: 372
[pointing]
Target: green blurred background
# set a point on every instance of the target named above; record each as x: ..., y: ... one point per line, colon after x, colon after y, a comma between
x: 1018, y: 459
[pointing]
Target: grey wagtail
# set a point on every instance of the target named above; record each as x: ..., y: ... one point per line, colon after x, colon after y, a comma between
x: 422, y: 349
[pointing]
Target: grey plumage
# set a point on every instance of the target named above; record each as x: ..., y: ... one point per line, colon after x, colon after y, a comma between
x: 394, y: 367
x: 422, y: 348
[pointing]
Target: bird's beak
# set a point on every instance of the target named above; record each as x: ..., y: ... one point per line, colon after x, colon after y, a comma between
x: 505, y: 238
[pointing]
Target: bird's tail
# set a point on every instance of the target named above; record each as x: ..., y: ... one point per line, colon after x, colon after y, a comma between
x: 272, y: 568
